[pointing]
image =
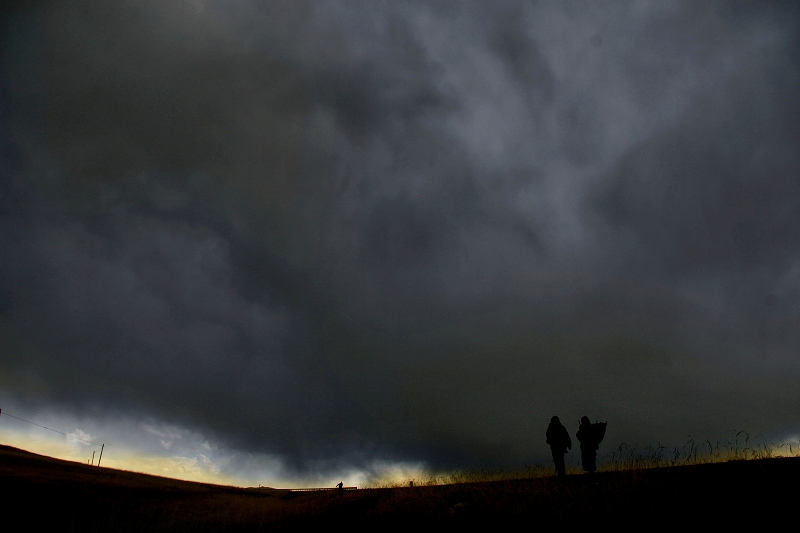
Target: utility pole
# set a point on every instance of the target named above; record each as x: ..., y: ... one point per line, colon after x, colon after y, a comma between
x: 93, y: 457
x: 101, y: 453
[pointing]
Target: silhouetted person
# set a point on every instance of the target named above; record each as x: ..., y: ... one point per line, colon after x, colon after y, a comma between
x: 559, y: 441
x: 589, y: 445
x: 339, y: 485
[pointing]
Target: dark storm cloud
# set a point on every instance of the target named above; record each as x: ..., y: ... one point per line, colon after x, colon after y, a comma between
x: 719, y: 191
x: 341, y: 231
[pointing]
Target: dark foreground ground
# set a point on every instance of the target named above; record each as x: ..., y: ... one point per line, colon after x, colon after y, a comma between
x: 60, y: 495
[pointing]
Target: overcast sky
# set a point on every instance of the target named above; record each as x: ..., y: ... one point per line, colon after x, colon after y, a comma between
x: 339, y: 234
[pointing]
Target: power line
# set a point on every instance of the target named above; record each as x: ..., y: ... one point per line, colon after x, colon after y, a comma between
x: 50, y: 429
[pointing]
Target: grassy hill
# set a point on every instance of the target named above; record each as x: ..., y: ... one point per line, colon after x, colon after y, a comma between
x: 69, y: 496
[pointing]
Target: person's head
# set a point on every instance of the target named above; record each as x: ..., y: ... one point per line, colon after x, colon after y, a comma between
x: 555, y: 420
x: 585, y: 420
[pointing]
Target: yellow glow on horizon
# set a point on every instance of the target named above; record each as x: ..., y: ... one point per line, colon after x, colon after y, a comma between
x: 177, y: 467
x: 199, y: 467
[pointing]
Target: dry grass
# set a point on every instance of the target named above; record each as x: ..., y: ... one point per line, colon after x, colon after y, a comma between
x: 738, y: 448
x: 622, y: 458
x: 65, y: 496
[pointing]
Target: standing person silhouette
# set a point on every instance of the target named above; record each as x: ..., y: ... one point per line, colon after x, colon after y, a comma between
x: 559, y: 441
x: 589, y: 445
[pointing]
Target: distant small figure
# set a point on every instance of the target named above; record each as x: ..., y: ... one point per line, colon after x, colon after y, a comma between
x: 340, y: 485
x: 559, y: 441
x: 590, y: 435
x: 410, y: 483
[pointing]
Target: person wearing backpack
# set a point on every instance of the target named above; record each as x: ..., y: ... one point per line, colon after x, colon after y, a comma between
x: 590, y: 443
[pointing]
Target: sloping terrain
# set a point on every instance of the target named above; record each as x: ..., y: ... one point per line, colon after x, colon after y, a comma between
x: 67, y: 496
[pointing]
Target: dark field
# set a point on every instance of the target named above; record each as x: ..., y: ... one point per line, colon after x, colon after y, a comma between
x: 63, y: 495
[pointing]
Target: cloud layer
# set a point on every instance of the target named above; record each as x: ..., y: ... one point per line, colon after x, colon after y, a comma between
x: 348, y: 232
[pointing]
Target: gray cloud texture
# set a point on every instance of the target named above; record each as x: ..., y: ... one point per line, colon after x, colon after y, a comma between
x: 341, y: 231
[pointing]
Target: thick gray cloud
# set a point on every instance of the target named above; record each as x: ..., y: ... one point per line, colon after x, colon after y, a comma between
x: 341, y: 231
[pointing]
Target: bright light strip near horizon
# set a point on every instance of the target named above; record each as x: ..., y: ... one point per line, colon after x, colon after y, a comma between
x: 172, y: 451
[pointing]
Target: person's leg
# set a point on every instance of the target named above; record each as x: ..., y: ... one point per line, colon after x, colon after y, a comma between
x: 558, y: 460
x: 555, y: 453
